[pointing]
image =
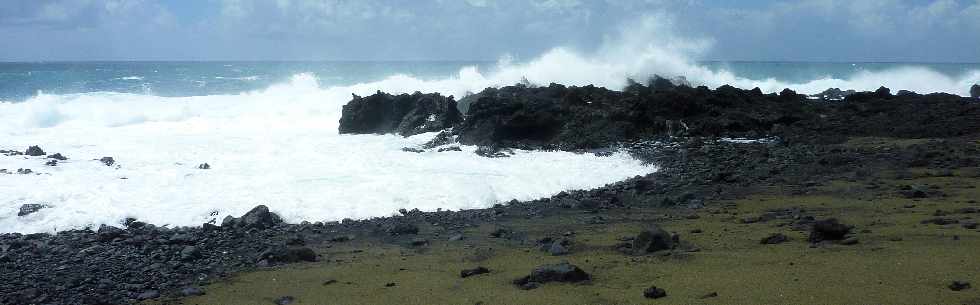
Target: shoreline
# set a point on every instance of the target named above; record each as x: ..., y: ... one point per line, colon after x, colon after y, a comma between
x: 700, y: 175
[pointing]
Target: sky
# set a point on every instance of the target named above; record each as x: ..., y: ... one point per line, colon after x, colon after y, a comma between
x: 771, y: 30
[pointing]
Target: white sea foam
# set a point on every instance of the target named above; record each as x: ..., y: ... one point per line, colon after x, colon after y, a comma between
x: 277, y: 146
x: 131, y: 78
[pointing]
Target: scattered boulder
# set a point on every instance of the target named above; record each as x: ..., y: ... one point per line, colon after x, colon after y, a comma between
x: 204, y: 166
x: 475, y: 271
x: 108, y: 161
x: 287, y: 255
x: 561, y: 272
x: 775, y: 238
x: 34, y: 151
x: 828, y: 229
x: 51, y: 163
x: 652, y: 239
x: 403, y: 114
x: 30, y: 208
x: 959, y: 285
x: 654, y: 292
x: 58, y: 156
x: 285, y: 300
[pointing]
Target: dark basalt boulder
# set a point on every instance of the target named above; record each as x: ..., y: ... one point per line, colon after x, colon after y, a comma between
x: 30, y: 208
x: 828, y: 229
x: 108, y: 161
x: 652, y: 239
x: 403, y: 114
x: 562, y: 272
x: 58, y: 156
x: 288, y: 255
x: 34, y: 151
x: 257, y: 218
x: 975, y: 91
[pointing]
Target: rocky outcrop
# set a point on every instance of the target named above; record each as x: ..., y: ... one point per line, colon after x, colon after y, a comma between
x: 575, y: 118
x: 403, y: 114
x: 975, y: 91
x: 591, y: 117
x: 34, y: 151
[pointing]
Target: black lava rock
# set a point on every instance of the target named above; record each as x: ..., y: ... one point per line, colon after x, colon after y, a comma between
x: 204, y: 166
x: 975, y: 91
x: 403, y: 114
x: 561, y: 272
x: 108, y: 161
x: 190, y: 253
x: 58, y: 156
x: 257, y: 218
x: 654, y: 292
x: 30, y: 208
x: 475, y: 271
x: 34, y: 151
x: 288, y: 255
x: 828, y: 229
x: 652, y: 239
x: 285, y: 300
x: 959, y: 285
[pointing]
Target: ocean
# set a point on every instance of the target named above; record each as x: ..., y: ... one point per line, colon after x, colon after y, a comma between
x: 269, y: 132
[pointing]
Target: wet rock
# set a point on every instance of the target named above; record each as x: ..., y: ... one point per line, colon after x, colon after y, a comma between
x: 51, y: 163
x: 204, y: 166
x: 959, y: 285
x: 652, y: 239
x: 828, y: 229
x: 30, y: 208
x: 34, y: 151
x: 975, y: 91
x: 403, y: 114
x: 475, y: 271
x: 108, y: 233
x: 413, y: 150
x: 775, y: 238
x: 108, y: 161
x: 450, y: 148
x: 58, y: 156
x: 654, y: 292
x: 257, y: 218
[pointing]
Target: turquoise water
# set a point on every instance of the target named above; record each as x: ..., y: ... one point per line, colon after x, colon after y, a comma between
x: 20, y: 81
